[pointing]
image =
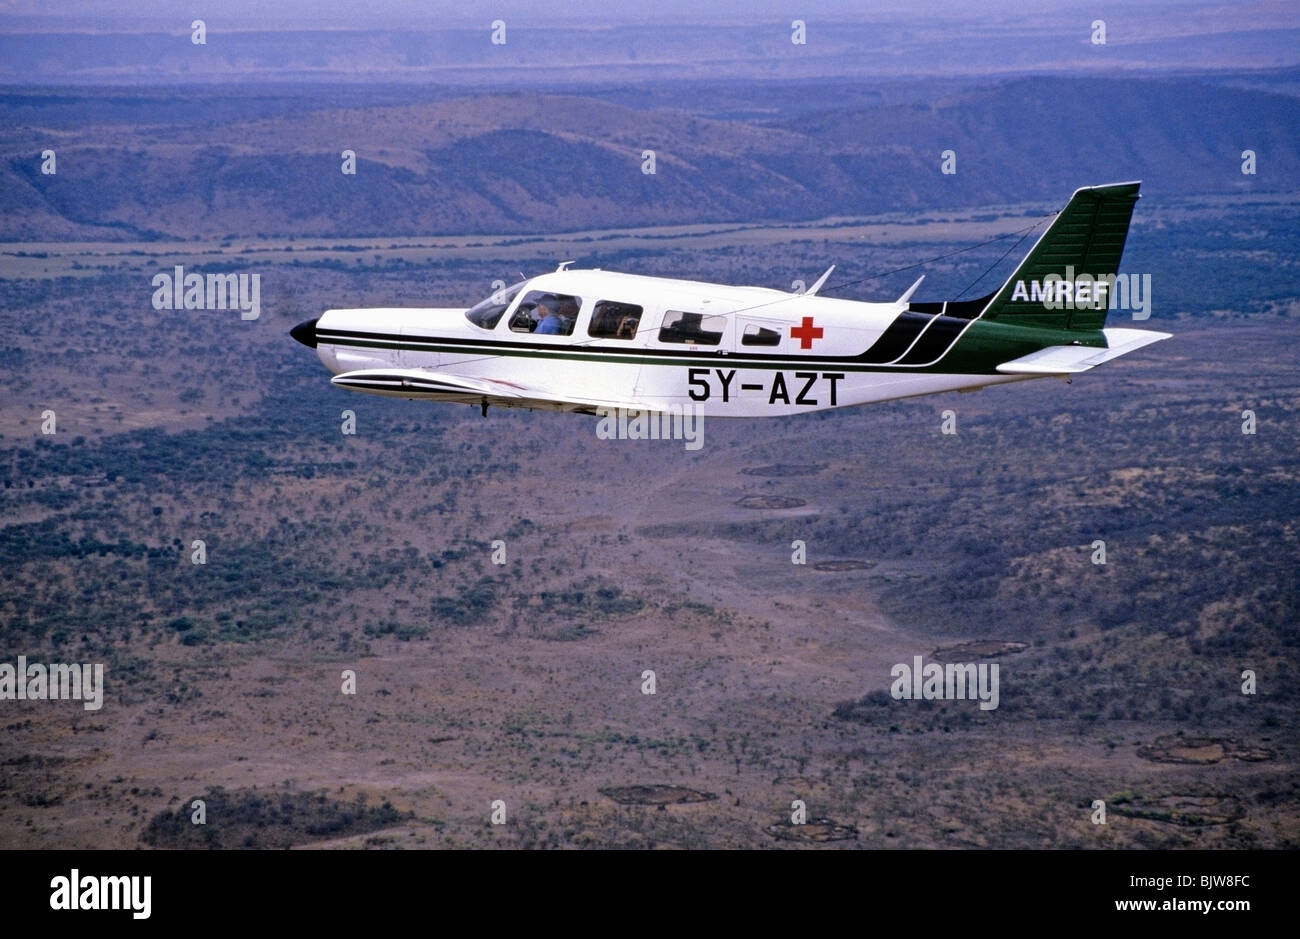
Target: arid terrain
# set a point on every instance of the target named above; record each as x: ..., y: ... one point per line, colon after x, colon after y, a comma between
x: 523, y: 681
x: 441, y: 630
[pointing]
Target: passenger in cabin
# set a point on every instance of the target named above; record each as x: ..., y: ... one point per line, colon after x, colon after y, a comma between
x: 569, y: 313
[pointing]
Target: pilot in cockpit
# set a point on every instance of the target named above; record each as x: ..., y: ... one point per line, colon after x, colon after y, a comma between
x: 550, y: 323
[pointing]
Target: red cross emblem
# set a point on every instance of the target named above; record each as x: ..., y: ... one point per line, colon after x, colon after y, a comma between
x: 806, y: 333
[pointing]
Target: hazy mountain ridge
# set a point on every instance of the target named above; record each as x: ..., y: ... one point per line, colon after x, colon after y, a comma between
x: 556, y: 162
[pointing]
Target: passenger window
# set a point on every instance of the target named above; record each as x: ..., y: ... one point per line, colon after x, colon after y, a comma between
x: 694, y: 328
x: 610, y: 320
x: 755, y: 335
x: 547, y: 314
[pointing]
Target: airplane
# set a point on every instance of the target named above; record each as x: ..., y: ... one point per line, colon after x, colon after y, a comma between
x: 592, y: 341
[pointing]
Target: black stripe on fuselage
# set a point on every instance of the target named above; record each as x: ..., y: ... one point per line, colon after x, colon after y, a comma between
x: 961, y: 309
x: 896, y: 339
x: 943, y: 332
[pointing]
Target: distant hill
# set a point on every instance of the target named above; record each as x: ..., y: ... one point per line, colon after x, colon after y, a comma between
x: 529, y: 161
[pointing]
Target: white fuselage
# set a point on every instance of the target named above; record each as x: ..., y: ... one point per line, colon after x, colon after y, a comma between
x: 761, y: 352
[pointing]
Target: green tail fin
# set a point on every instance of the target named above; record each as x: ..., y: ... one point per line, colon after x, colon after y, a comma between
x: 1056, y: 286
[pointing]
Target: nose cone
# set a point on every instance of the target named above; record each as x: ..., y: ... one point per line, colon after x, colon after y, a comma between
x: 305, y: 333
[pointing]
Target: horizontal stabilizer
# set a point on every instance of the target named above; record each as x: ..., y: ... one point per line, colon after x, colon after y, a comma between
x: 1066, y: 360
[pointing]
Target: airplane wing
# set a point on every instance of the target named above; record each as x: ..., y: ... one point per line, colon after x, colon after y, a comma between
x: 1065, y: 360
x: 446, y: 386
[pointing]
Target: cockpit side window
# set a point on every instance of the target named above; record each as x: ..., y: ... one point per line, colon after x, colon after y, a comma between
x: 545, y: 313
x: 611, y: 320
x: 486, y: 313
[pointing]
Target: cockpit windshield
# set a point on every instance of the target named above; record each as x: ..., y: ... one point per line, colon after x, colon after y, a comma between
x: 487, y: 312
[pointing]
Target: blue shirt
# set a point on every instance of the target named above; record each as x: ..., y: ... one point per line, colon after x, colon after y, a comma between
x: 551, y: 325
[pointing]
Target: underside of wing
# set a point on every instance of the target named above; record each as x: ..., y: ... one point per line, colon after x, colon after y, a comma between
x: 436, y: 385
x: 1067, y: 360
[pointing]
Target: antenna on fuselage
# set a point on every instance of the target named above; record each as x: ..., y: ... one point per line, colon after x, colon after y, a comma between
x: 911, y: 290
x: 563, y: 265
x: 821, y: 281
